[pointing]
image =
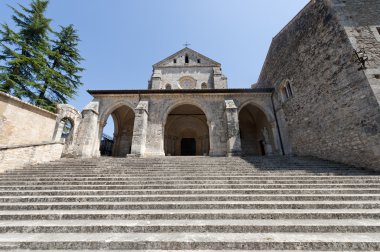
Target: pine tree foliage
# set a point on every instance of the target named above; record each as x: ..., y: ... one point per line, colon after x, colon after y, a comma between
x: 36, y: 63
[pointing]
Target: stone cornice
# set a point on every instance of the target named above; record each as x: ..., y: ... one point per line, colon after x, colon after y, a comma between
x: 183, y: 91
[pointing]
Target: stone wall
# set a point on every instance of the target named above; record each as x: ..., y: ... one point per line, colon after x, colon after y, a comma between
x: 151, y: 120
x: 334, y: 113
x: 23, y: 123
x: 17, y: 156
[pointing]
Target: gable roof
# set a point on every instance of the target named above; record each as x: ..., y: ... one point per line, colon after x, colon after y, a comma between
x: 184, y: 51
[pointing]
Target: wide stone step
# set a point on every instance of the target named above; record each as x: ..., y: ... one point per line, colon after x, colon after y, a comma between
x: 4, y: 179
x: 192, y: 205
x: 187, y: 170
x: 184, y: 182
x: 192, y: 241
x: 191, y: 214
x: 188, y: 226
x: 342, y: 191
x: 192, y: 197
x: 193, y: 186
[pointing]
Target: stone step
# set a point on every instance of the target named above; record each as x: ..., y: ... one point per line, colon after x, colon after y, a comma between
x: 193, y: 186
x: 188, y: 226
x: 191, y: 205
x: 329, y: 178
x: 185, y: 182
x: 191, y: 214
x: 342, y: 191
x: 192, y: 241
x: 192, y: 197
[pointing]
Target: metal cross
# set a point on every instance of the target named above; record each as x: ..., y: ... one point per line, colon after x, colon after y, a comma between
x: 186, y: 44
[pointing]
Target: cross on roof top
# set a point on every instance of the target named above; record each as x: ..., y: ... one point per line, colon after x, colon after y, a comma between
x: 186, y: 44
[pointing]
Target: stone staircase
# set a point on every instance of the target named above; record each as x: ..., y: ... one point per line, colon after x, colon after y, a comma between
x: 190, y: 203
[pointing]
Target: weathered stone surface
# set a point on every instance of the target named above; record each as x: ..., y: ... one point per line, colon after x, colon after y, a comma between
x: 23, y: 123
x: 334, y: 112
x: 200, y: 72
x: 18, y: 155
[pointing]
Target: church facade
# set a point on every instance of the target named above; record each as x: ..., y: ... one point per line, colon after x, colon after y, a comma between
x: 317, y: 95
x: 186, y: 110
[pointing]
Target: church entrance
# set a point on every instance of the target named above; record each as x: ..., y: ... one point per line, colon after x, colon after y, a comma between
x: 255, y: 132
x: 119, y: 144
x: 188, y: 147
x: 186, y: 132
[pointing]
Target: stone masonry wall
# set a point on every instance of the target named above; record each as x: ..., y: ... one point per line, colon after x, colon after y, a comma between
x: 17, y: 156
x: 334, y: 113
x: 23, y: 123
x: 361, y: 21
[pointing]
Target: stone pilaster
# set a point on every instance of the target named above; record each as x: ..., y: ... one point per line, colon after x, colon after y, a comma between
x: 233, y: 134
x: 140, y: 129
x: 87, y: 141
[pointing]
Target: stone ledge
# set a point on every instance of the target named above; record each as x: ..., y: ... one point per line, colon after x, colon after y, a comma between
x: 29, y: 145
x: 19, y: 103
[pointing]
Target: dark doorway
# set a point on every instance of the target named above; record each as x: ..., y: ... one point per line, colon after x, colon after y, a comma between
x: 188, y: 147
x: 262, y: 147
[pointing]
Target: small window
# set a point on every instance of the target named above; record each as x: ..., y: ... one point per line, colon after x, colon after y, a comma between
x: 186, y: 59
x: 204, y: 85
x: 378, y: 30
x: 168, y: 87
x: 199, y: 61
x: 174, y: 61
x: 67, y: 126
x: 286, y: 91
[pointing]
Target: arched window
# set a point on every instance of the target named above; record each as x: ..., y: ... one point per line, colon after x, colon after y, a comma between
x: 67, y: 127
x: 204, y: 85
x: 286, y: 90
x: 168, y: 87
x: 186, y: 59
x: 174, y: 61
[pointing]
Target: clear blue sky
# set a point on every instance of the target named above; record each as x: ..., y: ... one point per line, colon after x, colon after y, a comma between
x: 122, y: 39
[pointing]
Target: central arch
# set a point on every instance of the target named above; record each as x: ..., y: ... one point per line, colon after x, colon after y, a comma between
x: 186, y: 132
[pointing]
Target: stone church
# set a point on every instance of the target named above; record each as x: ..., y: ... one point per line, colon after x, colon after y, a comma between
x: 318, y: 95
x: 186, y: 110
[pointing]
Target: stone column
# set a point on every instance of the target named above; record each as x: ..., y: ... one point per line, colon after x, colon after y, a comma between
x: 59, y: 130
x: 87, y: 141
x: 140, y: 129
x: 233, y: 134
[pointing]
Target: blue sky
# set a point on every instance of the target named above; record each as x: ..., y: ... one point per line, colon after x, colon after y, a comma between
x: 122, y: 39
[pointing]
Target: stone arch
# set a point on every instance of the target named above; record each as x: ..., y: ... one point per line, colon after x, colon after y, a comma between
x: 123, y: 117
x: 186, y: 131
x: 267, y: 111
x: 67, y: 112
x: 257, y: 130
x: 107, y: 111
x: 185, y: 102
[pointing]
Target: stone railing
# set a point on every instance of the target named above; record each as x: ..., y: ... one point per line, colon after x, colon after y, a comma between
x: 16, y: 156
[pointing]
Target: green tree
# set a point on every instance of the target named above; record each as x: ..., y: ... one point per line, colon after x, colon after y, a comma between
x: 34, y: 66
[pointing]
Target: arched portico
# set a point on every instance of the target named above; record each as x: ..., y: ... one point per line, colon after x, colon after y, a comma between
x: 257, y: 130
x: 123, y: 117
x: 186, y: 131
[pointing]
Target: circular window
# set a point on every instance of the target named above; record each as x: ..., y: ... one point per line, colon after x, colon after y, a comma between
x: 187, y: 83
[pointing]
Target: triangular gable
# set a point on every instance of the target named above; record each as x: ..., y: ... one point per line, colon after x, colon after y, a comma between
x: 205, y: 61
